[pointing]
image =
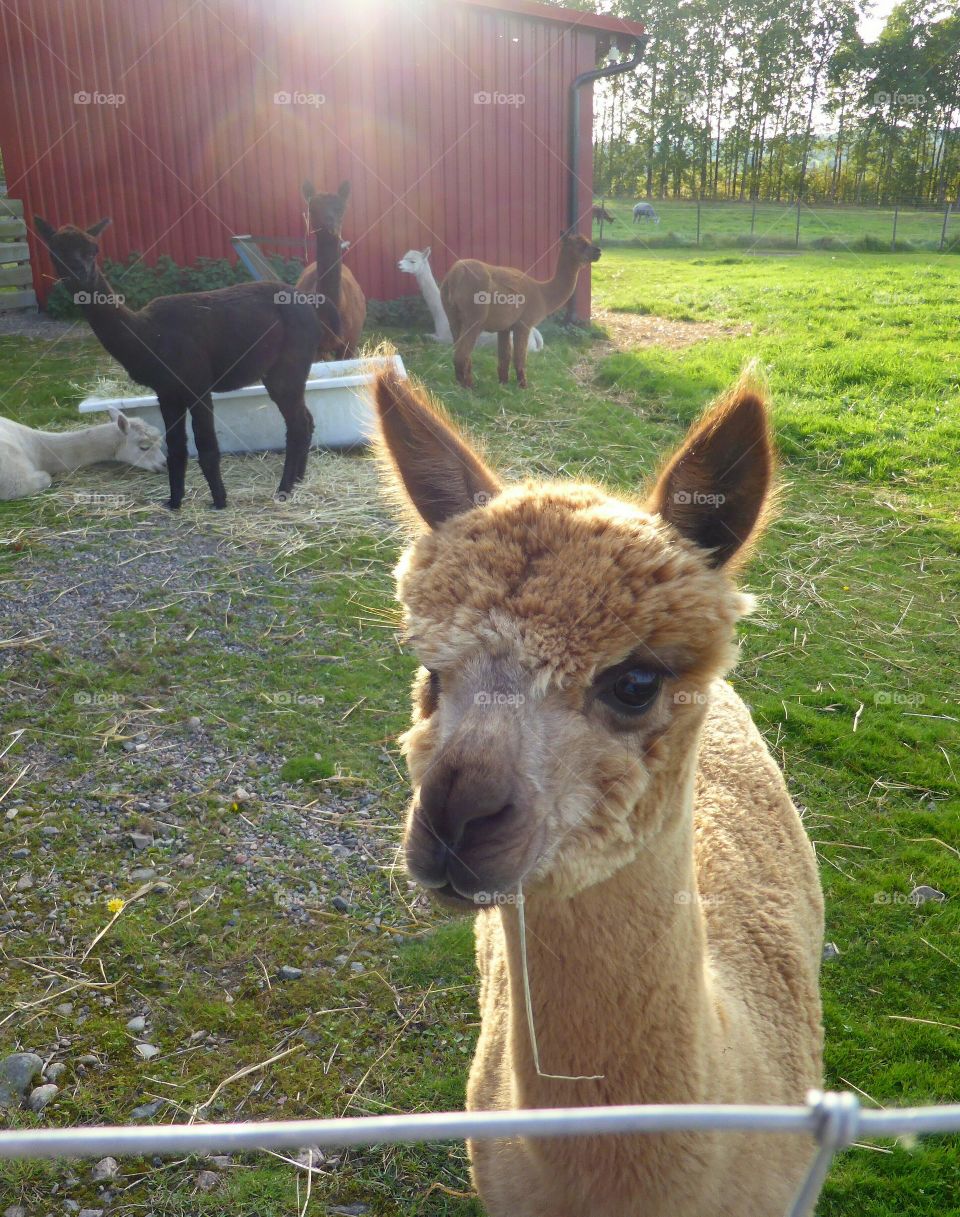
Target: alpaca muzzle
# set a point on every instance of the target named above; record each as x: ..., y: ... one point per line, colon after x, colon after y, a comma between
x: 467, y: 831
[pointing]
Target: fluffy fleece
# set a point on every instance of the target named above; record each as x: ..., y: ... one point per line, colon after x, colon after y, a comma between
x: 674, y: 914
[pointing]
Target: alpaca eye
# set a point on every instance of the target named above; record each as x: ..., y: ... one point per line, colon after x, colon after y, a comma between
x: 633, y: 691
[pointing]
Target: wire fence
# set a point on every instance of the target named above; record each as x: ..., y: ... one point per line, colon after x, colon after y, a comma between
x: 834, y: 1120
x: 757, y: 227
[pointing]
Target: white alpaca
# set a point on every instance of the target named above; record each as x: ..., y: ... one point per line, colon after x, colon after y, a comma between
x: 29, y: 458
x: 417, y: 262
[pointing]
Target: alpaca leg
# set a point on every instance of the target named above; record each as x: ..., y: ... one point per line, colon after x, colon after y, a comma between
x: 208, y: 450
x: 299, y: 423
x: 285, y: 386
x: 521, y: 336
x: 175, y: 425
x: 18, y: 477
x: 503, y: 356
x: 463, y: 352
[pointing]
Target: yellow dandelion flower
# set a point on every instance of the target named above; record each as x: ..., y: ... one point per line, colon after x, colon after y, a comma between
x: 115, y: 905
x: 234, y: 806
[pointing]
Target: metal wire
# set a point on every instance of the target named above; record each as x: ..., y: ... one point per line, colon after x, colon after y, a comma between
x: 833, y: 1120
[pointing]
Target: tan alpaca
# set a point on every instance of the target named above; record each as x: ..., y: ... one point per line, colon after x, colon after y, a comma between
x: 478, y: 297
x: 573, y: 732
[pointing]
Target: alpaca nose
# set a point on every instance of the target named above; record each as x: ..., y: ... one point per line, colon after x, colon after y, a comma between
x: 464, y: 802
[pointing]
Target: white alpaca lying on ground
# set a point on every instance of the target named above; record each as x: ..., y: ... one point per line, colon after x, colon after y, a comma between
x: 417, y: 262
x: 29, y: 458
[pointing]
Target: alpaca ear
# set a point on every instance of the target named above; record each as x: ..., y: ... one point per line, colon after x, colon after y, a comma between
x: 96, y: 229
x: 344, y: 191
x: 715, y: 488
x: 45, y: 231
x: 426, y: 254
x: 438, y: 472
x: 309, y: 190
x: 120, y: 419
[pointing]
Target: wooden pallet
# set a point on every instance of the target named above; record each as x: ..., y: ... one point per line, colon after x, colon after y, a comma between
x: 16, y: 277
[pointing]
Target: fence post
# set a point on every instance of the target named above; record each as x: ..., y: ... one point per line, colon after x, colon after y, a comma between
x: 603, y: 208
x: 943, y: 230
x: 893, y: 242
x: 698, y: 223
x: 797, y: 238
x: 753, y: 217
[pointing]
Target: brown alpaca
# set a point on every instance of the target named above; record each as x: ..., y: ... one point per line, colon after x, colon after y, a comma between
x: 478, y: 297
x: 186, y: 347
x: 576, y: 747
x: 601, y: 213
x: 333, y: 281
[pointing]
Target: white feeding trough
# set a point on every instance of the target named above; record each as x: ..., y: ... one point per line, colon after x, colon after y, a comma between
x: 339, y: 396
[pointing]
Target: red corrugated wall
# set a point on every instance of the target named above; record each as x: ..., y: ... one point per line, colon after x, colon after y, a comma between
x: 199, y: 149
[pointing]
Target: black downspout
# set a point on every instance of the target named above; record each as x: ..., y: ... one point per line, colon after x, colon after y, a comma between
x: 585, y: 78
x: 573, y: 150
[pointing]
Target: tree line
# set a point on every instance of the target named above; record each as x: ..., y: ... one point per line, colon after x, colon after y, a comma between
x: 782, y: 99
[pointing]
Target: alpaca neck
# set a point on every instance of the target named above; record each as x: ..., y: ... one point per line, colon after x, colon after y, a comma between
x: 329, y: 265
x: 62, y: 451
x: 558, y: 290
x: 431, y: 294
x: 618, y: 980
x: 117, y: 327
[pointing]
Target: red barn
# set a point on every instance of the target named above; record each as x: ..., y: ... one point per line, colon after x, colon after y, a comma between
x: 190, y: 122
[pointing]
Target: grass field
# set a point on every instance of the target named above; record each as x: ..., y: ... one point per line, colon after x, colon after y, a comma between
x: 229, y: 685
x: 774, y: 225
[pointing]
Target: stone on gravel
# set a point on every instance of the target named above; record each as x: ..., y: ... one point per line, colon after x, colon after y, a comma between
x: 146, y: 1111
x: 16, y: 1077
x: 88, y: 1058
x: 41, y: 1096
x: 341, y: 905
x: 208, y: 1180
x: 923, y: 893
x: 290, y: 973
x: 357, y: 967
x: 54, y: 1071
x: 106, y: 1168
x: 25, y: 882
x: 830, y: 951
x: 141, y: 840
x: 349, y: 1210
x: 148, y: 1051
x: 137, y: 1024
x: 22, y: 852
x: 15, y: 1210
x: 90, y: 1213
x: 140, y: 874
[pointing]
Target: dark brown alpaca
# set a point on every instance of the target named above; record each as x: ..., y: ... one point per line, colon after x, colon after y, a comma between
x: 186, y: 347
x: 601, y: 213
x: 478, y: 297
x: 327, y: 276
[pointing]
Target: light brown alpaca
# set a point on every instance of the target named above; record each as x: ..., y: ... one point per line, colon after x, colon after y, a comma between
x: 478, y: 297
x: 574, y: 737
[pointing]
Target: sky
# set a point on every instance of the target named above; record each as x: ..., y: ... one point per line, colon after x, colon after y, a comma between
x: 871, y: 26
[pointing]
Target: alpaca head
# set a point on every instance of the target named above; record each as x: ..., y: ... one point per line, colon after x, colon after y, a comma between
x: 325, y: 212
x: 140, y: 444
x: 578, y: 249
x: 74, y: 251
x: 568, y: 640
x: 414, y: 260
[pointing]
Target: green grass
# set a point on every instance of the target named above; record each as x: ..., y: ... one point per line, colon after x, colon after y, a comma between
x: 849, y: 665
x: 774, y: 225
